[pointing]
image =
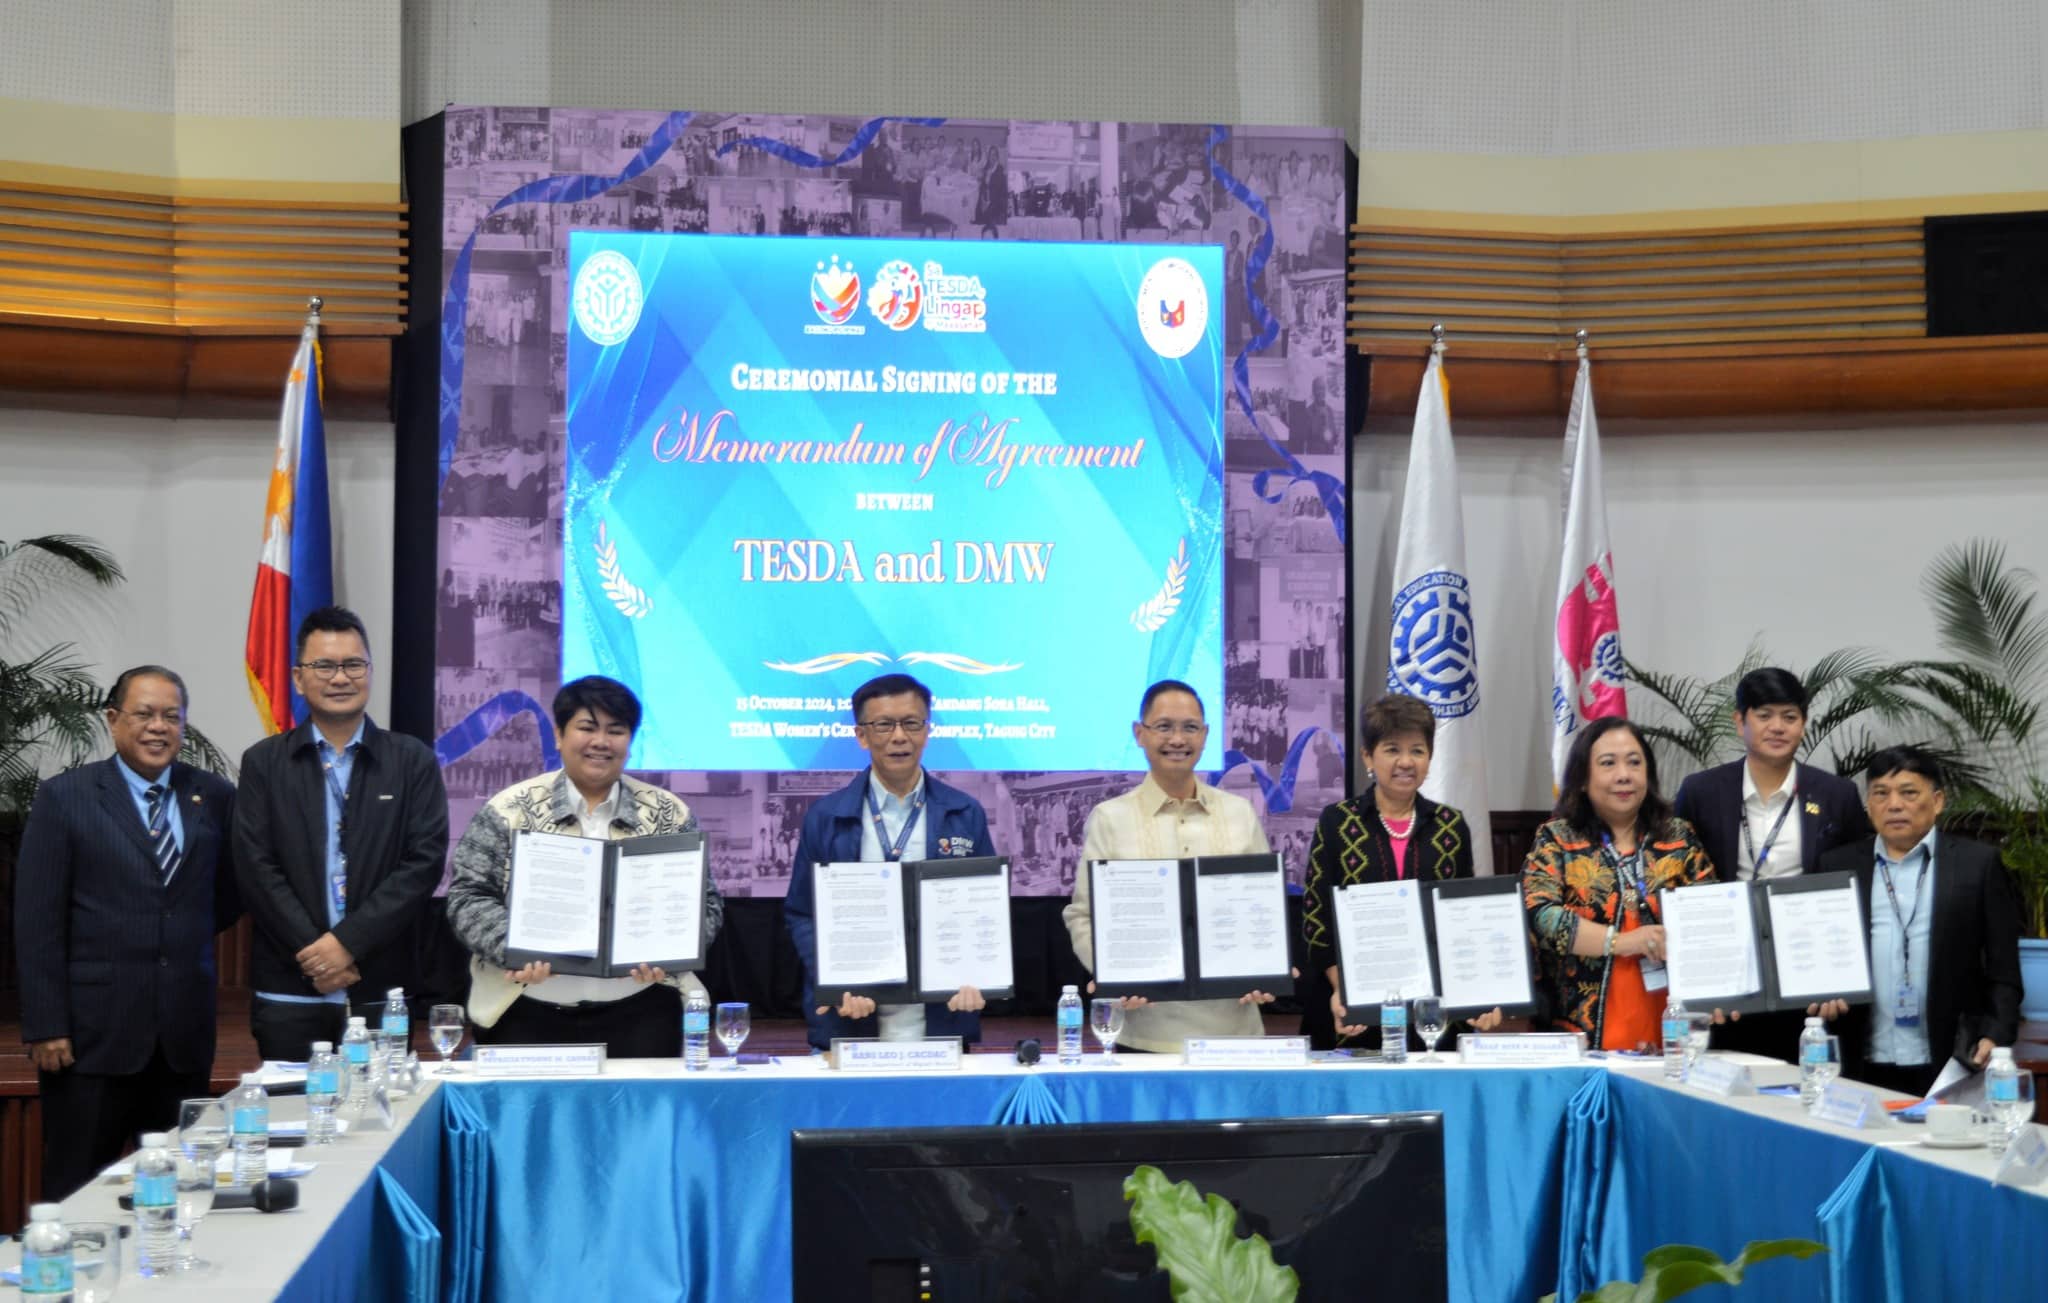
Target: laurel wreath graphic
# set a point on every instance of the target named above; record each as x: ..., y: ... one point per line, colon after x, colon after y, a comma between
x: 633, y: 603
x: 959, y: 664
x: 1159, y: 608
x: 825, y: 664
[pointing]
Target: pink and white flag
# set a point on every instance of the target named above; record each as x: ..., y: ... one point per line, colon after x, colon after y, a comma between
x: 1587, y: 678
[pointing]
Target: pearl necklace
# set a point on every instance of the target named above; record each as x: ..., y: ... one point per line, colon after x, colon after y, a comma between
x: 1387, y: 828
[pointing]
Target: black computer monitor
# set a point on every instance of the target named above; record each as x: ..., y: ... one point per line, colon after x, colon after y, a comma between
x: 1355, y: 1204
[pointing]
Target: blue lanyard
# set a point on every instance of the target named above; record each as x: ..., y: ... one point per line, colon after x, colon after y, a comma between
x: 1756, y: 861
x: 1905, y: 920
x: 894, y: 851
x: 335, y: 789
x: 1630, y: 870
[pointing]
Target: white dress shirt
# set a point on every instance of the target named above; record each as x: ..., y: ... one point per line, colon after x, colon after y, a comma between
x: 1781, y: 860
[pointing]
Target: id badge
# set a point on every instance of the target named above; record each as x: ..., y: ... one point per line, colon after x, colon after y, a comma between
x: 1906, y: 1008
x: 1654, y: 976
x: 337, y: 886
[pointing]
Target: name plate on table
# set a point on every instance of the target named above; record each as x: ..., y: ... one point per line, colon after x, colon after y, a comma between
x: 867, y: 1054
x: 1721, y: 1077
x: 2025, y: 1161
x: 539, y: 1060
x: 1245, y: 1051
x: 1850, y: 1106
x: 1519, y: 1049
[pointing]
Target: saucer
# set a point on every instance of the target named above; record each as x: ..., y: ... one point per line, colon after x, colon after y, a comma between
x: 1964, y: 1142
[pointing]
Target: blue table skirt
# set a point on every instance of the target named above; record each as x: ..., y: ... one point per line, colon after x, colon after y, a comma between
x: 1555, y: 1178
x: 680, y: 1189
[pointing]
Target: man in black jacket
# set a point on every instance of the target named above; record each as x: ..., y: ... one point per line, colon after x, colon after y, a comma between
x: 1944, y: 935
x: 122, y: 883
x: 341, y: 831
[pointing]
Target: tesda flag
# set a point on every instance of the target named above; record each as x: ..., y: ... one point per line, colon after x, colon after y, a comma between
x: 295, y: 574
x: 1433, y: 653
x: 1587, y: 678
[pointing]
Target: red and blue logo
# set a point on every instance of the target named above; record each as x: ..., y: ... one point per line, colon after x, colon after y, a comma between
x: 835, y: 292
x: 897, y: 299
x: 1174, y: 317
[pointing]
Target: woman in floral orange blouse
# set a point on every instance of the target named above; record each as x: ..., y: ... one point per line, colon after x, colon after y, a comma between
x: 1590, y: 885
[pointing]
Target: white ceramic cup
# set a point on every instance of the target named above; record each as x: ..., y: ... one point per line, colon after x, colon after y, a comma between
x: 1950, y: 1124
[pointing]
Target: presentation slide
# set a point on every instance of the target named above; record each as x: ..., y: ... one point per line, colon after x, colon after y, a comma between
x: 797, y: 463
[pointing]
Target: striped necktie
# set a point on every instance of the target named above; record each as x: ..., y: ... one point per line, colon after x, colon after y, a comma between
x: 167, y: 854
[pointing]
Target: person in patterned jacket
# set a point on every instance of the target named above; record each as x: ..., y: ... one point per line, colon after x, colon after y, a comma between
x: 1387, y: 833
x: 1590, y: 888
x: 636, y: 1017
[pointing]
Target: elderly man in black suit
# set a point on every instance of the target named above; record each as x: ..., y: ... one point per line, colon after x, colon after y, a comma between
x: 1765, y: 816
x: 124, y: 879
x: 1944, y: 935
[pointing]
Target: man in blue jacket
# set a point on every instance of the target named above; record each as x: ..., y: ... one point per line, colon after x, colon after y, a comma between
x: 893, y: 811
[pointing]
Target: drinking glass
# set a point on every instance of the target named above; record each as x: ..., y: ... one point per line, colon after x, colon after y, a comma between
x: 735, y: 1020
x: 1106, y: 1020
x: 445, y: 1024
x: 1699, y: 1029
x: 1827, y: 1067
x: 2007, y: 1118
x: 198, y: 1165
x: 95, y: 1261
x: 1428, y: 1013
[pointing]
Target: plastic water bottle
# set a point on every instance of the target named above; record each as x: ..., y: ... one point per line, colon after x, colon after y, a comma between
x: 397, y: 1019
x: 2002, y: 1097
x: 249, y: 1128
x: 323, y: 1090
x: 156, y: 1206
x: 46, y: 1256
x: 1813, y: 1062
x: 696, y: 1030
x: 1393, y: 1029
x: 355, y: 1054
x: 1068, y: 1019
x: 1676, y: 1030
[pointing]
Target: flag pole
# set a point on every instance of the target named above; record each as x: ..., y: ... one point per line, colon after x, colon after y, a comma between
x: 313, y: 306
x: 1436, y: 336
x: 1580, y: 338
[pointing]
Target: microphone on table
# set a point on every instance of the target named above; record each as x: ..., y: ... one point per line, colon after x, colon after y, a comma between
x: 1028, y: 1050
x: 276, y: 1195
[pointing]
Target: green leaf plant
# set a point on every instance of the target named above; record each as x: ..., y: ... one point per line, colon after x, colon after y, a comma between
x: 1677, y: 1269
x: 1198, y: 1247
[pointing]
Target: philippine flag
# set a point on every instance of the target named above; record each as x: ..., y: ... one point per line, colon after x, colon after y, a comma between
x: 295, y: 574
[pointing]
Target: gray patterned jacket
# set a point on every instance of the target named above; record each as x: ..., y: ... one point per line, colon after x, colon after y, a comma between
x: 483, y: 864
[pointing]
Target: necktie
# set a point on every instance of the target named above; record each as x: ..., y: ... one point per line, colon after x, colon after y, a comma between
x: 160, y: 837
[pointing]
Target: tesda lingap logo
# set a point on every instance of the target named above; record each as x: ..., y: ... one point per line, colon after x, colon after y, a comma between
x: 897, y: 299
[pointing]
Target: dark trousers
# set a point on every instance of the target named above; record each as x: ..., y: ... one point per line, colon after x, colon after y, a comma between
x: 645, y: 1025
x: 89, y: 1118
x: 285, y: 1031
x: 1914, y: 1079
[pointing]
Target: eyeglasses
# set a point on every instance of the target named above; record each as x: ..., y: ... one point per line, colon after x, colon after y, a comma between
x: 144, y: 718
x: 884, y: 727
x: 353, y: 668
x: 1164, y: 730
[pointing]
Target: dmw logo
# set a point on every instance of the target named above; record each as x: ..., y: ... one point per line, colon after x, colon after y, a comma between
x: 1008, y: 563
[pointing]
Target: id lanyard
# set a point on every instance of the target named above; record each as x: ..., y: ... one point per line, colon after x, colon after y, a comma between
x: 1633, y: 873
x: 1756, y: 861
x: 1907, y: 1012
x: 337, y: 884
x: 894, y: 850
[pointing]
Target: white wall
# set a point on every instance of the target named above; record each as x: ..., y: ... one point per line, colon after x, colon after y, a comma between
x: 180, y: 505
x: 1806, y: 540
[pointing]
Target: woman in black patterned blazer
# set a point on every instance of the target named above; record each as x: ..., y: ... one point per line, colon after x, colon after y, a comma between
x: 1386, y: 833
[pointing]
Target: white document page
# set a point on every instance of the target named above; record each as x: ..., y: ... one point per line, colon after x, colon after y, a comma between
x: 1817, y: 943
x: 1482, y: 950
x: 963, y: 932
x: 859, y: 912
x: 1711, y: 942
x: 1134, y: 911
x: 658, y: 907
x: 1382, y: 942
x: 1241, y: 924
x: 556, y: 900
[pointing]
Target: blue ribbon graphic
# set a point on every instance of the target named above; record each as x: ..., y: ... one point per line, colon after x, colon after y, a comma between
x: 1279, y: 792
x: 487, y: 719
x: 804, y: 158
x: 455, y: 303
x: 1327, y: 486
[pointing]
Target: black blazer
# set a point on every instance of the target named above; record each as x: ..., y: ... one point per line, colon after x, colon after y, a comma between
x: 395, y: 838
x: 1973, y: 972
x: 1711, y: 801
x: 111, y: 956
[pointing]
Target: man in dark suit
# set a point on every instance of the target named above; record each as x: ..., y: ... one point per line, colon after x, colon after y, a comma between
x: 341, y: 830
x: 1944, y: 935
x: 122, y: 883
